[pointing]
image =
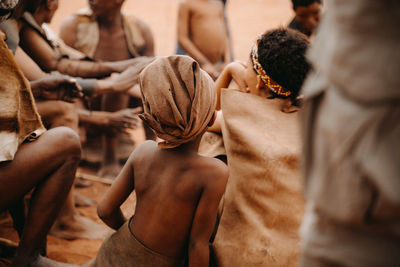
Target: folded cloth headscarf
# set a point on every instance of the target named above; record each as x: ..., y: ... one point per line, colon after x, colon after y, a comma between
x: 178, y: 99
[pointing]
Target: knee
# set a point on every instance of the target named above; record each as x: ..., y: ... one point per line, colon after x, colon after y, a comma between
x: 68, y: 141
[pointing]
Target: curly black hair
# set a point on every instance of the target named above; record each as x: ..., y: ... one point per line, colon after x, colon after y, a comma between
x: 281, y: 53
x: 297, y: 3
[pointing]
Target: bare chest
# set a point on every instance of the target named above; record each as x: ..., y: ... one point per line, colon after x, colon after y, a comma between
x: 112, y: 46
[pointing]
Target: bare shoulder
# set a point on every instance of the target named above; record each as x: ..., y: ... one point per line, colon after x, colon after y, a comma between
x: 213, y: 172
x: 68, y: 29
x: 144, y: 149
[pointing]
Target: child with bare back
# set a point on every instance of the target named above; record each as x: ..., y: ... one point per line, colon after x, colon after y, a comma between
x: 178, y: 191
x: 202, y: 33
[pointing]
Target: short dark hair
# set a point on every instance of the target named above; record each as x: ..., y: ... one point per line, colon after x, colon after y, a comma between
x: 297, y: 3
x: 281, y: 53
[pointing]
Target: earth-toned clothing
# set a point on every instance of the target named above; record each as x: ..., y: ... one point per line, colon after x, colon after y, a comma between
x: 263, y: 203
x: 352, y: 138
x: 19, y: 119
x: 123, y: 249
x: 179, y: 99
x: 88, y: 34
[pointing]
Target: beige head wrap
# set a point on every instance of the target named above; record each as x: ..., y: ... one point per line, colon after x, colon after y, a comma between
x: 178, y: 99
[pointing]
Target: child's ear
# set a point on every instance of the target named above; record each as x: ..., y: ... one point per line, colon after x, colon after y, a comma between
x: 214, y: 117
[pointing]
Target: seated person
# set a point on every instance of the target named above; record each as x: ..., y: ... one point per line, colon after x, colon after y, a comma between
x: 307, y: 16
x: 263, y: 204
x: 203, y: 35
x: 177, y: 191
x: 95, y: 31
x: 69, y: 224
x: 31, y: 158
x: 47, y: 51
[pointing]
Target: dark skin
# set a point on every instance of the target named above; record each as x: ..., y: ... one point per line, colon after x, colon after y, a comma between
x: 111, y: 38
x: 309, y: 16
x: 47, y: 166
x: 178, y: 193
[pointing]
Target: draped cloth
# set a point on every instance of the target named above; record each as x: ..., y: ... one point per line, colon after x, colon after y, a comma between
x: 19, y: 119
x: 123, y: 249
x: 88, y: 33
x: 352, y: 137
x: 179, y: 99
x: 263, y: 203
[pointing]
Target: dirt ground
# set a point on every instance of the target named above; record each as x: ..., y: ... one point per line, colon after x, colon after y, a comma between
x: 247, y: 19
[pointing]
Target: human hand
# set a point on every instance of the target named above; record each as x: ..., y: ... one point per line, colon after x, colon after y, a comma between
x: 124, y: 119
x: 57, y: 87
x: 209, y: 68
x: 127, y: 79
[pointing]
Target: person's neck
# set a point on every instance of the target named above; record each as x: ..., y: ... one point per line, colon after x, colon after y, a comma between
x: 112, y: 20
x: 189, y: 147
x: 40, y: 16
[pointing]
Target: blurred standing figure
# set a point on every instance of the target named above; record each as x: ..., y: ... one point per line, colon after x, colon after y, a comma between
x: 203, y: 35
x: 352, y: 138
x: 307, y: 16
x: 103, y: 32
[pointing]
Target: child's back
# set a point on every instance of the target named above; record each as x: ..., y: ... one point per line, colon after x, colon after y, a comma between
x: 169, y: 184
x: 178, y: 191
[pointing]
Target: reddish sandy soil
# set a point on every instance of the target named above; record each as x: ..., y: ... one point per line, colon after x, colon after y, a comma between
x: 247, y: 19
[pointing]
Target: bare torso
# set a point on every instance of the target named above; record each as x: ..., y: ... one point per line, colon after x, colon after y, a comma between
x: 168, y: 185
x: 112, y: 45
x: 207, y: 28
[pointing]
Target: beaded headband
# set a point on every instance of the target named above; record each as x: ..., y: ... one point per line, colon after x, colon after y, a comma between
x: 268, y: 81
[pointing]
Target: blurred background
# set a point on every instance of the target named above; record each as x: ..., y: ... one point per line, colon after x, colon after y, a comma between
x: 247, y: 19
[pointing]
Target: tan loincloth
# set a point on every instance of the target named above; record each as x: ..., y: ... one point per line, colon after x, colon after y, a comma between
x: 263, y: 203
x: 123, y: 249
x: 19, y: 120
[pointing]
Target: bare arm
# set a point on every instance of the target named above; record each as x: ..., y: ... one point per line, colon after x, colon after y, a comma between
x: 38, y: 49
x: 184, y: 40
x: 109, y: 209
x: 30, y: 69
x: 216, y: 127
x: 148, y: 38
x: 205, y: 216
x: 236, y: 71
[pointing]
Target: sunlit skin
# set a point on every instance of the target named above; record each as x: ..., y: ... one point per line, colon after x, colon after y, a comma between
x: 111, y: 38
x: 308, y: 16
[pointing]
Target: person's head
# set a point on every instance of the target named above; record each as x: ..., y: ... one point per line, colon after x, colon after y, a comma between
x: 46, y: 7
x: 277, y: 64
x: 308, y: 14
x: 101, y: 8
x: 179, y: 99
x: 16, y: 8
x: 7, y: 8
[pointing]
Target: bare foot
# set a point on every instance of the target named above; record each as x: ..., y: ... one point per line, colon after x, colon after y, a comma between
x: 83, y: 201
x: 78, y: 227
x: 109, y: 171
